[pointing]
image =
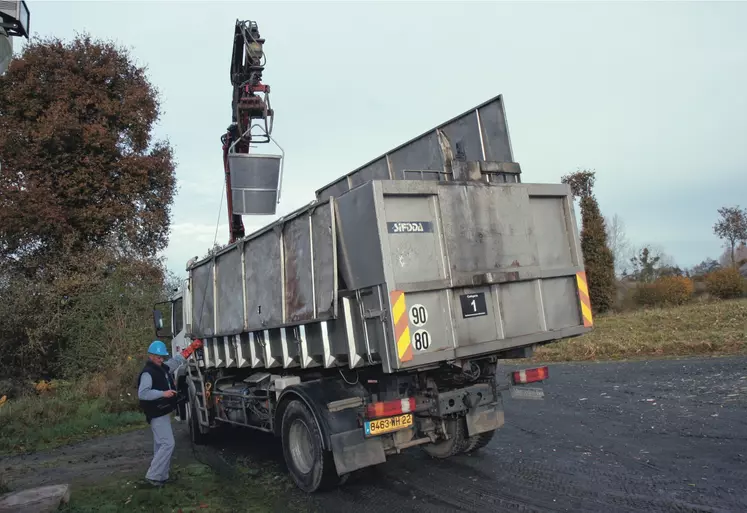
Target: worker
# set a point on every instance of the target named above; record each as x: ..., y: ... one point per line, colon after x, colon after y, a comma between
x: 158, y: 398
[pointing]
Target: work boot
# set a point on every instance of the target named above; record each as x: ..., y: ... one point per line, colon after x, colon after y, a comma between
x: 154, y: 483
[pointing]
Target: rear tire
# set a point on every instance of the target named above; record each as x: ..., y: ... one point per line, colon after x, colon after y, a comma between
x: 477, y: 442
x: 311, y: 467
x: 457, y: 442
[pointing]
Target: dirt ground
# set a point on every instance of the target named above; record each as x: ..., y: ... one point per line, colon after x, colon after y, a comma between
x: 666, y: 435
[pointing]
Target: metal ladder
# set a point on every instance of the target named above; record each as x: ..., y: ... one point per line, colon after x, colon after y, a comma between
x: 195, y: 375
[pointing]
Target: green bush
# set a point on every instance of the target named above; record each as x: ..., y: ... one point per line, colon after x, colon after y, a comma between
x: 665, y: 291
x: 725, y: 283
x: 67, y: 412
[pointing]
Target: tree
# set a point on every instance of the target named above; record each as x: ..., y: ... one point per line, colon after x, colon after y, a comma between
x: 618, y: 243
x: 85, y: 199
x: 650, y: 263
x: 705, y: 267
x: 79, y: 165
x: 644, y: 265
x: 732, y: 227
x: 738, y: 258
x: 598, y: 259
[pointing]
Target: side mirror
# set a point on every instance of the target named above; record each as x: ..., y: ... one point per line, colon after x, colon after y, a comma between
x: 157, y: 320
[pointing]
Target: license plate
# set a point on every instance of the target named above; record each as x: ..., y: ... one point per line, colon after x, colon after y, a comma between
x: 536, y: 394
x: 387, y: 425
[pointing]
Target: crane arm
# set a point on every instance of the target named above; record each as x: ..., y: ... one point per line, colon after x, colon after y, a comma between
x: 250, y: 106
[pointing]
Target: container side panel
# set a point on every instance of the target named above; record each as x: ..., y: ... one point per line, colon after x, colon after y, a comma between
x: 495, y: 132
x: 551, y: 234
x: 464, y: 137
x: 561, y: 304
x: 520, y: 308
x: 230, y: 293
x: 486, y: 228
x: 476, y: 315
x: 378, y: 170
x: 334, y: 190
x: 202, y: 303
x: 430, y: 329
x: 359, y: 246
x: 414, y: 238
x: 423, y: 153
x: 299, y: 285
x: 325, y: 268
x: 264, y: 287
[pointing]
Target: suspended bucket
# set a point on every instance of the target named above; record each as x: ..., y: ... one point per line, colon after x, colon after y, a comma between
x: 255, y: 183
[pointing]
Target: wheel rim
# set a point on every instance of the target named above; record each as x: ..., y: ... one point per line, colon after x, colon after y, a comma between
x: 301, y: 448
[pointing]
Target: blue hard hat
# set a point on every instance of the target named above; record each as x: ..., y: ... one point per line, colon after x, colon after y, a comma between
x: 158, y: 348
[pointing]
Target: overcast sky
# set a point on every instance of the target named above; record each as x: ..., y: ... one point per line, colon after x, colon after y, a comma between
x: 651, y: 96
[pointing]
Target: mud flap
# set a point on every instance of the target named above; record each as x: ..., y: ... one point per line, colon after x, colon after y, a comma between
x: 483, y: 419
x: 352, y: 451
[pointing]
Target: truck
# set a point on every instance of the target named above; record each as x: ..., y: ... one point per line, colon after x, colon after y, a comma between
x: 376, y: 319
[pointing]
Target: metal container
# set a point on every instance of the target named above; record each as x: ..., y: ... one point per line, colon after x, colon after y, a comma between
x: 477, y: 135
x: 255, y: 183
x: 435, y: 251
x: 394, y: 273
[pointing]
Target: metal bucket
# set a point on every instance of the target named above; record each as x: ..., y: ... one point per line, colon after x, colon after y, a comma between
x: 255, y: 183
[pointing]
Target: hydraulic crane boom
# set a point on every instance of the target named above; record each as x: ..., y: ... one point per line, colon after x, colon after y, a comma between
x: 250, y: 106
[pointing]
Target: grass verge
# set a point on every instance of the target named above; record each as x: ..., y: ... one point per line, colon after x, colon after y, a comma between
x: 33, y: 423
x: 197, y: 488
x: 702, y: 328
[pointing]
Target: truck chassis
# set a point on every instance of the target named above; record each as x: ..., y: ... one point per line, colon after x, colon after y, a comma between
x: 332, y: 423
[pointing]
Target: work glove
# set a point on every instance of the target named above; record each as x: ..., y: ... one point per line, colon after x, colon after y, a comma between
x: 191, y: 348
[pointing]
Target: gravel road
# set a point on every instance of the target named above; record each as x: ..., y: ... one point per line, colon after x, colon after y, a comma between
x: 634, y: 436
x: 666, y: 435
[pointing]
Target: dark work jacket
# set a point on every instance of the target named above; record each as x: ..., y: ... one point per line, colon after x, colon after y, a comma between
x: 162, y: 378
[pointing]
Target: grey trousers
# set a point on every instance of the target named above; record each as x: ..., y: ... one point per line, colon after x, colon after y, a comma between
x: 163, y: 448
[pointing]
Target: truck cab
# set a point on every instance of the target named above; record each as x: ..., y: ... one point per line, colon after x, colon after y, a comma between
x: 176, y: 311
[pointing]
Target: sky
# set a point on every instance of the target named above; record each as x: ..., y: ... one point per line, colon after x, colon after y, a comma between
x: 652, y: 96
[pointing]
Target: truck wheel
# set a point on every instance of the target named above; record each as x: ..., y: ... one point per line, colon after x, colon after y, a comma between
x: 197, y: 433
x: 457, y: 442
x: 477, y: 442
x: 311, y: 467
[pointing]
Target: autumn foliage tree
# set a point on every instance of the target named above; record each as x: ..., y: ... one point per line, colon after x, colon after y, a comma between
x: 598, y: 258
x: 85, y: 190
x: 732, y: 227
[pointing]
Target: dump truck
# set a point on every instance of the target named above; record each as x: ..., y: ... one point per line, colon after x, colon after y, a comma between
x: 376, y: 318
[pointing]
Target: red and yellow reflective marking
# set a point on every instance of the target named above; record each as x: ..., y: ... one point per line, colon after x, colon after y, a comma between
x: 401, y: 325
x: 583, y: 297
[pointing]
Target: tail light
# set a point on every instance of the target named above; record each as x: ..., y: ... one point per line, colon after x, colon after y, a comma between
x: 530, y: 375
x: 389, y: 408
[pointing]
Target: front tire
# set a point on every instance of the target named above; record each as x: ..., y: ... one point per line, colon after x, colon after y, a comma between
x: 198, y: 434
x: 311, y: 467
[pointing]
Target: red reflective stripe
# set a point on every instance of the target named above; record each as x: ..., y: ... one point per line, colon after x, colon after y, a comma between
x: 389, y: 408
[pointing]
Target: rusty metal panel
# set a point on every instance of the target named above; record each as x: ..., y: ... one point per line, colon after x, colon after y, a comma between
x: 230, y: 293
x: 287, y: 276
x: 264, y: 281
x: 298, y: 276
x: 324, y: 244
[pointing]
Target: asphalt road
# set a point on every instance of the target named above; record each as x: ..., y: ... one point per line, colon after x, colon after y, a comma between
x: 614, y: 437
x: 611, y: 437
